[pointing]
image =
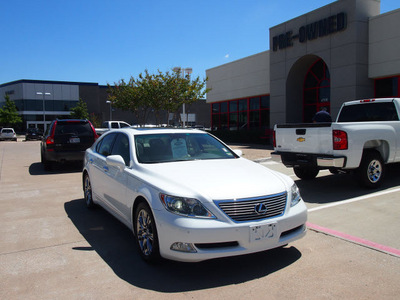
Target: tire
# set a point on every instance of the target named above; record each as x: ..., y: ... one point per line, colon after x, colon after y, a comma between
x: 87, y: 192
x: 146, y: 233
x: 47, y: 165
x: 305, y: 172
x: 371, y: 171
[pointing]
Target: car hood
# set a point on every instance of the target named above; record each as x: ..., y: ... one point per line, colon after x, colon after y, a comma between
x: 215, y: 179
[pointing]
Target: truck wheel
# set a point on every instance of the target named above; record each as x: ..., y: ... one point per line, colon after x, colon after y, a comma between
x: 304, y: 172
x: 371, y: 170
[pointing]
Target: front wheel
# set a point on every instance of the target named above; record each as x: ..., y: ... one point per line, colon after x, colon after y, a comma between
x: 305, y: 172
x: 371, y: 170
x: 87, y: 192
x: 146, y: 233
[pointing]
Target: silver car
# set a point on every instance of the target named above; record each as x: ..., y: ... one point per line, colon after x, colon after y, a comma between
x: 8, y: 134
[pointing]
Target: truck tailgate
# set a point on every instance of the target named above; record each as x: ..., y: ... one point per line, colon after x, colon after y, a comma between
x: 304, y: 138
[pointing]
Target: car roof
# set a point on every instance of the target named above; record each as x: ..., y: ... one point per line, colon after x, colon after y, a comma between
x: 371, y: 100
x: 157, y: 130
x: 72, y: 120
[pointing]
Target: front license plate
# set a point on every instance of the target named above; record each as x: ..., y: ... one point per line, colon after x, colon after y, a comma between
x: 262, y: 232
x: 74, y: 140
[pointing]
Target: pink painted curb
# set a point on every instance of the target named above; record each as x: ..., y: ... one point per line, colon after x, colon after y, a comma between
x: 355, y: 239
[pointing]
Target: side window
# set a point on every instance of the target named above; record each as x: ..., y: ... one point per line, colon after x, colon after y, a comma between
x: 114, y: 125
x: 121, y: 147
x: 106, y: 145
x: 98, y: 146
x: 49, y: 128
x: 123, y: 125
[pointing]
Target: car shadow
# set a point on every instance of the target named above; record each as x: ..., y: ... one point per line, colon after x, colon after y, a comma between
x: 114, y: 243
x: 337, y: 187
x: 37, y: 168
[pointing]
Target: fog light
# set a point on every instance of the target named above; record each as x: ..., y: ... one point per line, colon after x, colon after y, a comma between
x: 183, y: 247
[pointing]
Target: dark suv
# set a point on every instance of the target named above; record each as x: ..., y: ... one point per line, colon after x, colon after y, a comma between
x: 66, y: 140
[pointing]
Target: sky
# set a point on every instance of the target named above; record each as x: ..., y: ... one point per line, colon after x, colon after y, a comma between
x: 104, y: 41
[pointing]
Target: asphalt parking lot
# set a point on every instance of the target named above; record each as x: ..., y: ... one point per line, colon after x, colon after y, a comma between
x: 53, y: 247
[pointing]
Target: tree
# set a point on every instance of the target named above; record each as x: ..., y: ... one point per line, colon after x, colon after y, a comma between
x: 95, y: 120
x: 161, y: 92
x: 80, y: 111
x: 8, y: 113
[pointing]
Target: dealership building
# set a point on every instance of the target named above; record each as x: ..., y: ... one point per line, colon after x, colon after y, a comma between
x: 343, y: 51
x: 39, y: 102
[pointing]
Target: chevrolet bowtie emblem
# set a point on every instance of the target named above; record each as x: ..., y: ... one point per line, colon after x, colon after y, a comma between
x: 301, y: 139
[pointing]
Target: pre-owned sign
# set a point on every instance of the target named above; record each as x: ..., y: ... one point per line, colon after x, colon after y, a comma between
x: 311, y: 31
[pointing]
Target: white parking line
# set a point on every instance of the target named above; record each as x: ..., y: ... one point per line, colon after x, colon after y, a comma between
x: 377, y: 194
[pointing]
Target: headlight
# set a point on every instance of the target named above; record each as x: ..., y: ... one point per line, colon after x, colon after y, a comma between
x: 295, y: 195
x: 185, y: 206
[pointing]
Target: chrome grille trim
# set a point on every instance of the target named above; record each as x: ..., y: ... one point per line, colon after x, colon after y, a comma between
x: 243, y: 210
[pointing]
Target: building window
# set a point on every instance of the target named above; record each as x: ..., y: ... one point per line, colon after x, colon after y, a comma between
x: 387, y: 87
x: 316, y: 90
x: 241, y: 114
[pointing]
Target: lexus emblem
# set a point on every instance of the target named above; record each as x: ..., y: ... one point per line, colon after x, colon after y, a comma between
x: 260, y: 208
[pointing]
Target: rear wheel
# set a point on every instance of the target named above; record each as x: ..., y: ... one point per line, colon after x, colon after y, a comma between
x: 46, y: 164
x: 306, y: 172
x: 146, y: 233
x: 371, y: 170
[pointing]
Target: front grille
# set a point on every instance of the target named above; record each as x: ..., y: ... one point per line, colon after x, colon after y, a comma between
x: 244, y: 210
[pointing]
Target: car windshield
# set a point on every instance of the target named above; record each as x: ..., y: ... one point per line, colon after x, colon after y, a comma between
x: 170, y: 147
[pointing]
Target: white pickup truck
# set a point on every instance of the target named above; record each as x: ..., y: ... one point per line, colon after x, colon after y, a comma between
x: 109, y: 125
x: 365, y: 137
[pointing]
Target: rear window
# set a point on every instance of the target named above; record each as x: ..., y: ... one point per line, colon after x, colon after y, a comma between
x: 7, y: 131
x: 367, y: 112
x: 80, y: 129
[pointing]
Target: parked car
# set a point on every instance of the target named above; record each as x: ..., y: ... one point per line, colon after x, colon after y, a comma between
x: 66, y: 140
x: 8, y: 134
x: 111, y: 125
x: 363, y: 140
x: 33, y: 134
x: 188, y: 197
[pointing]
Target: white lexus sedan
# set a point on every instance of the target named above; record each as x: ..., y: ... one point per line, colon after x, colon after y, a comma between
x: 188, y: 197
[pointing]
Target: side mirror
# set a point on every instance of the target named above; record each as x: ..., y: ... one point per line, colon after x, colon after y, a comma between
x: 116, y: 161
x: 238, y: 152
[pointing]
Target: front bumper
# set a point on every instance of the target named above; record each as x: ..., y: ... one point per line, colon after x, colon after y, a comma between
x: 214, y: 238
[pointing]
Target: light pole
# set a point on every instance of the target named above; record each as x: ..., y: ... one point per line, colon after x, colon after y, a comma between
x: 109, y: 102
x: 44, y: 107
x: 188, y: 71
